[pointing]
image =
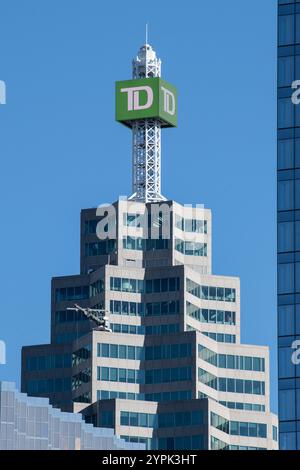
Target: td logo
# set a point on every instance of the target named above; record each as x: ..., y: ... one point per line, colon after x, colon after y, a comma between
x: 146, y: 98
x: 133, y: 94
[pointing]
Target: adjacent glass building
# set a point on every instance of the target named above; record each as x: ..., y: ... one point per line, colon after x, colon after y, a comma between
x: 172, y: 373
x: 29, y: 423
x: 288, y: 219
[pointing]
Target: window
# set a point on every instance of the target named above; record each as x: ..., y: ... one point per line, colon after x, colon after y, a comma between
x: 286, y: 30
x: 285, y: 237
x: 286, y: 368
x: 285, y: 278
x: 285, y: 71
x: 286, y: 152
x: 285, y: 195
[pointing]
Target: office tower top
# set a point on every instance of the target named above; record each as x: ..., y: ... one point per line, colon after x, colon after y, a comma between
x: 172, y: 373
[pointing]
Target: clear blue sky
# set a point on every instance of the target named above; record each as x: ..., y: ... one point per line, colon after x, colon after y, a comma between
x: 61, y: 149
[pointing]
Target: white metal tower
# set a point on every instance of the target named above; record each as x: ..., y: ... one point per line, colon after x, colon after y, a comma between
x: 146, y: 135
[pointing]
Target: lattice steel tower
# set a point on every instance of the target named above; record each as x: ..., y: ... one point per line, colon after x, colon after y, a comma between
x: 146, y: 137
x: 146, y: 104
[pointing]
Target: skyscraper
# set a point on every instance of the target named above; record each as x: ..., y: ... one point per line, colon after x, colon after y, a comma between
x: 166, y: 367
x: 288, y: 218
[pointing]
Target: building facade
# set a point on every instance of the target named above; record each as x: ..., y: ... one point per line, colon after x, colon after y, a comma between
x: 29, y: 423
x: 172, y: 373
x: 288, y: 221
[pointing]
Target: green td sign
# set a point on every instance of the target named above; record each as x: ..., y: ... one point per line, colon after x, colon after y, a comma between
x: 146, y: 98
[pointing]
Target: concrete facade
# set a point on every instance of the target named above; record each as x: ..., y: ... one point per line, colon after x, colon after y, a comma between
x: 172, y: 374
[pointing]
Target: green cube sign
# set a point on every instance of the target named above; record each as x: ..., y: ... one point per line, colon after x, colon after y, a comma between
x: 146, y: 98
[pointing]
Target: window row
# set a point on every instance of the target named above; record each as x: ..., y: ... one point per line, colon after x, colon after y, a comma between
x: 169, y: 443
x: 205, y: 315
x: 288, y: 153
x: 145, y: 330
x: 160, y: 396
x: 144, y: 309
x: 48, y: 385
x: 289, y: 320
x: 147, y: 286
x: 223, y: 384
x: 288, y: 278
x: 66, y: 316
x: 223, y: 294
x: 237, y: 405
x: 70, y: 337
x: 148, y: 221
x: 52, y: 361
x: 219, y: 337
x: 113, y: 374
x: 142, y: 244
x: 83, y: 377
x: 72, y: 293
x: 162, y: 351
x: 103, y: 247
x: 238, y: 428
x: 169, y: 396
x: 191, y: 248
x: 230, y: 361
x: 288, y: 70
x: 108, y: 395
x: 288, y: 237
x: 288, y: 194
x: 288, y: 30
x: 190, y: 225
x: 217, y: 444
x: 243, y: 406
x: 161, y: 420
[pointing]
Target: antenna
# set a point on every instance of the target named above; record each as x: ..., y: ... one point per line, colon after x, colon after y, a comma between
x: 146, y: 33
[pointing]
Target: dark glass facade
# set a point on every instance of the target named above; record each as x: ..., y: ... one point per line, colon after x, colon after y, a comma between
x: 288, y: 222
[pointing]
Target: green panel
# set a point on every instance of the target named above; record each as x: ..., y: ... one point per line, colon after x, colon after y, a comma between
x: 146, y: 98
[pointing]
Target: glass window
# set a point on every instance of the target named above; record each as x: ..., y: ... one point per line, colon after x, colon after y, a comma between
x: 114, y: 351
x: 113, y: 374
x: 156, y: 285
x: 122, y: 375
x: 285, y: 236
x: 122, y: 351
x: 256, y: 388
x: 143, y: 420
x: 131, y: 352
x: 248, y: 363
x: 288, y: 441
x: 248, y: 386
x: 104, y: 373
x: 234, y: 428
x: 149, y: 286
x: 231, y: 385
x: 243, y: 429
x: 261, y: 430
x: 222, y: 360
x: 285, y: 195
x: 285, y: 153
x: 286, y: 30
x: 124, y: 418
x: 172, y: 284
x: 298, y: 29
x: 297, y: 141
x: 131, y: 376
x: 285, y: 71
x: 287, y: 405
x: 285, y: 366
x: 285, y: 113
x: 297, y: 236
x: 297, y: 194
x: 285, y: 278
